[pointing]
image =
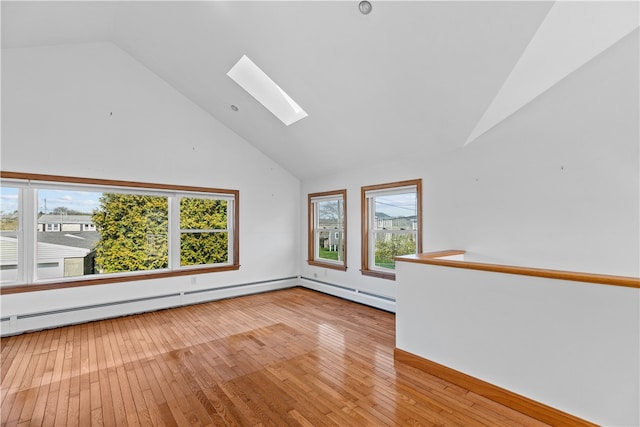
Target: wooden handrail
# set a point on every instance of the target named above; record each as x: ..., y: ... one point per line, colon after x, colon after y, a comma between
x: 433, y: 258
x: 432, y: 255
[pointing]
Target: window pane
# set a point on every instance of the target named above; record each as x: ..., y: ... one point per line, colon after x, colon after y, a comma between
x: 204, y: 248
x: 396, y: 212
x: 88, y: 232
x: 390, y: 245
x: 61, y: 246
x: 9, y: 234
x: 203, y: 214
x: 330, y: 213
x: 9, y: 218
x: 331, y: 245
x: 133, y: 232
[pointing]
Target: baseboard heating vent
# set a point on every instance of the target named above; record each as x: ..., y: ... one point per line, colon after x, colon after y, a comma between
x: 26, y: 322
x: 93, y: 306
x: 333, y: 285
x: 382, y: 302
x: 378, y: 296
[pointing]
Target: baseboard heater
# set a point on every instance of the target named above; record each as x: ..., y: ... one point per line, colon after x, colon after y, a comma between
x: 352, y: 294
x: 93, y: 306
x: 242, y: 285
x: 12, y: 325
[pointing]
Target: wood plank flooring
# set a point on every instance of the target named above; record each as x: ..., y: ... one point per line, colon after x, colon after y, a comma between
x: 286, y: 358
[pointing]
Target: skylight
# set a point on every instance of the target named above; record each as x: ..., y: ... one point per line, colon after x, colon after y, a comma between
x: 252, y: 79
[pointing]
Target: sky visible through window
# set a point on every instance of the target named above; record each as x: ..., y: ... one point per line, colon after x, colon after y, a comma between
x: 8, y: 200
x: 397, y: 205
x: 48, y: 200
x: 79, y: 201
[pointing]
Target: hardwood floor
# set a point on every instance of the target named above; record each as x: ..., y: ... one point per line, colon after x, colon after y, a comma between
x: 287, y: 358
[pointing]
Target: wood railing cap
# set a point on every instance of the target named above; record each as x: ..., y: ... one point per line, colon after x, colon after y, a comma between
x: 435, y: 258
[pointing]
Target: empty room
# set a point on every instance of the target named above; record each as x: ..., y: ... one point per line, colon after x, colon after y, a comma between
x: 320, y: 213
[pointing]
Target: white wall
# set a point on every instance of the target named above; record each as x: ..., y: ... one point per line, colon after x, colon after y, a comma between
x: 555, y: 341
x: 556, y: 185
x: 90, y: 110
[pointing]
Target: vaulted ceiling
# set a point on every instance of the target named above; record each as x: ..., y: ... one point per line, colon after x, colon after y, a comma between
x: 410, y: 79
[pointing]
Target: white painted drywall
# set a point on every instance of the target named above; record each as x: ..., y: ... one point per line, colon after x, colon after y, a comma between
x: 556, y: 185
x: 571, y: 345
x: 90, y: 110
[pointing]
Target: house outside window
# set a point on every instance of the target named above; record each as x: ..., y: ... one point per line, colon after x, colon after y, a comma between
x: 391, y: 218
x: 327, y: 229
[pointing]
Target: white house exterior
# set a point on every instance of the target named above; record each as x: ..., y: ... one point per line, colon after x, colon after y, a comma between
x: 54, y: 261
x: 55, y: 222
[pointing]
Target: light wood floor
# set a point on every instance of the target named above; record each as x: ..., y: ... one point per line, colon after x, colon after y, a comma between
x: 285, y: 358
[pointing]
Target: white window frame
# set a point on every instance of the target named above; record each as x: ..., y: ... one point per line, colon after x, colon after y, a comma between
x: 174, y: 221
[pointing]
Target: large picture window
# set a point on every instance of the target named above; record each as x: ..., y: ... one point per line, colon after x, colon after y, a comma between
x: 391, y: 225
x: 65, y: 231
x: 327, y: 229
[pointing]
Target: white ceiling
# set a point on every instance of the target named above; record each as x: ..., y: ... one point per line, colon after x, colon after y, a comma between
x: 410, y: 79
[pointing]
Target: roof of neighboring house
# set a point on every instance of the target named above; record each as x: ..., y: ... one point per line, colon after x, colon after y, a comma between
x: 75, y: 239
x: 46, y: 251
x: 65, y: 219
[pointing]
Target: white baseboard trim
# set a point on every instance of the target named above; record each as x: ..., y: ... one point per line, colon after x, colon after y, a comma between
x: 28, y: 322
x: 378, y: 301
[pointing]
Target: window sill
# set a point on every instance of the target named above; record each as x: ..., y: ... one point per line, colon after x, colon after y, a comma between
x: 327, y: 265
x: 379, y: 274
x: 106, y: 280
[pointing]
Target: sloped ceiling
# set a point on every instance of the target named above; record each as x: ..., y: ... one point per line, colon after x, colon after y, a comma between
x: 569, y: 37
x: 411, y: 79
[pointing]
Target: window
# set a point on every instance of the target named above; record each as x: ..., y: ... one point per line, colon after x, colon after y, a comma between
x: 132, y: 231
x: 10, y: 234
x: 111, y: 231
x: 327, y: 229
x: 391, y: 225
x: 204, y: 232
